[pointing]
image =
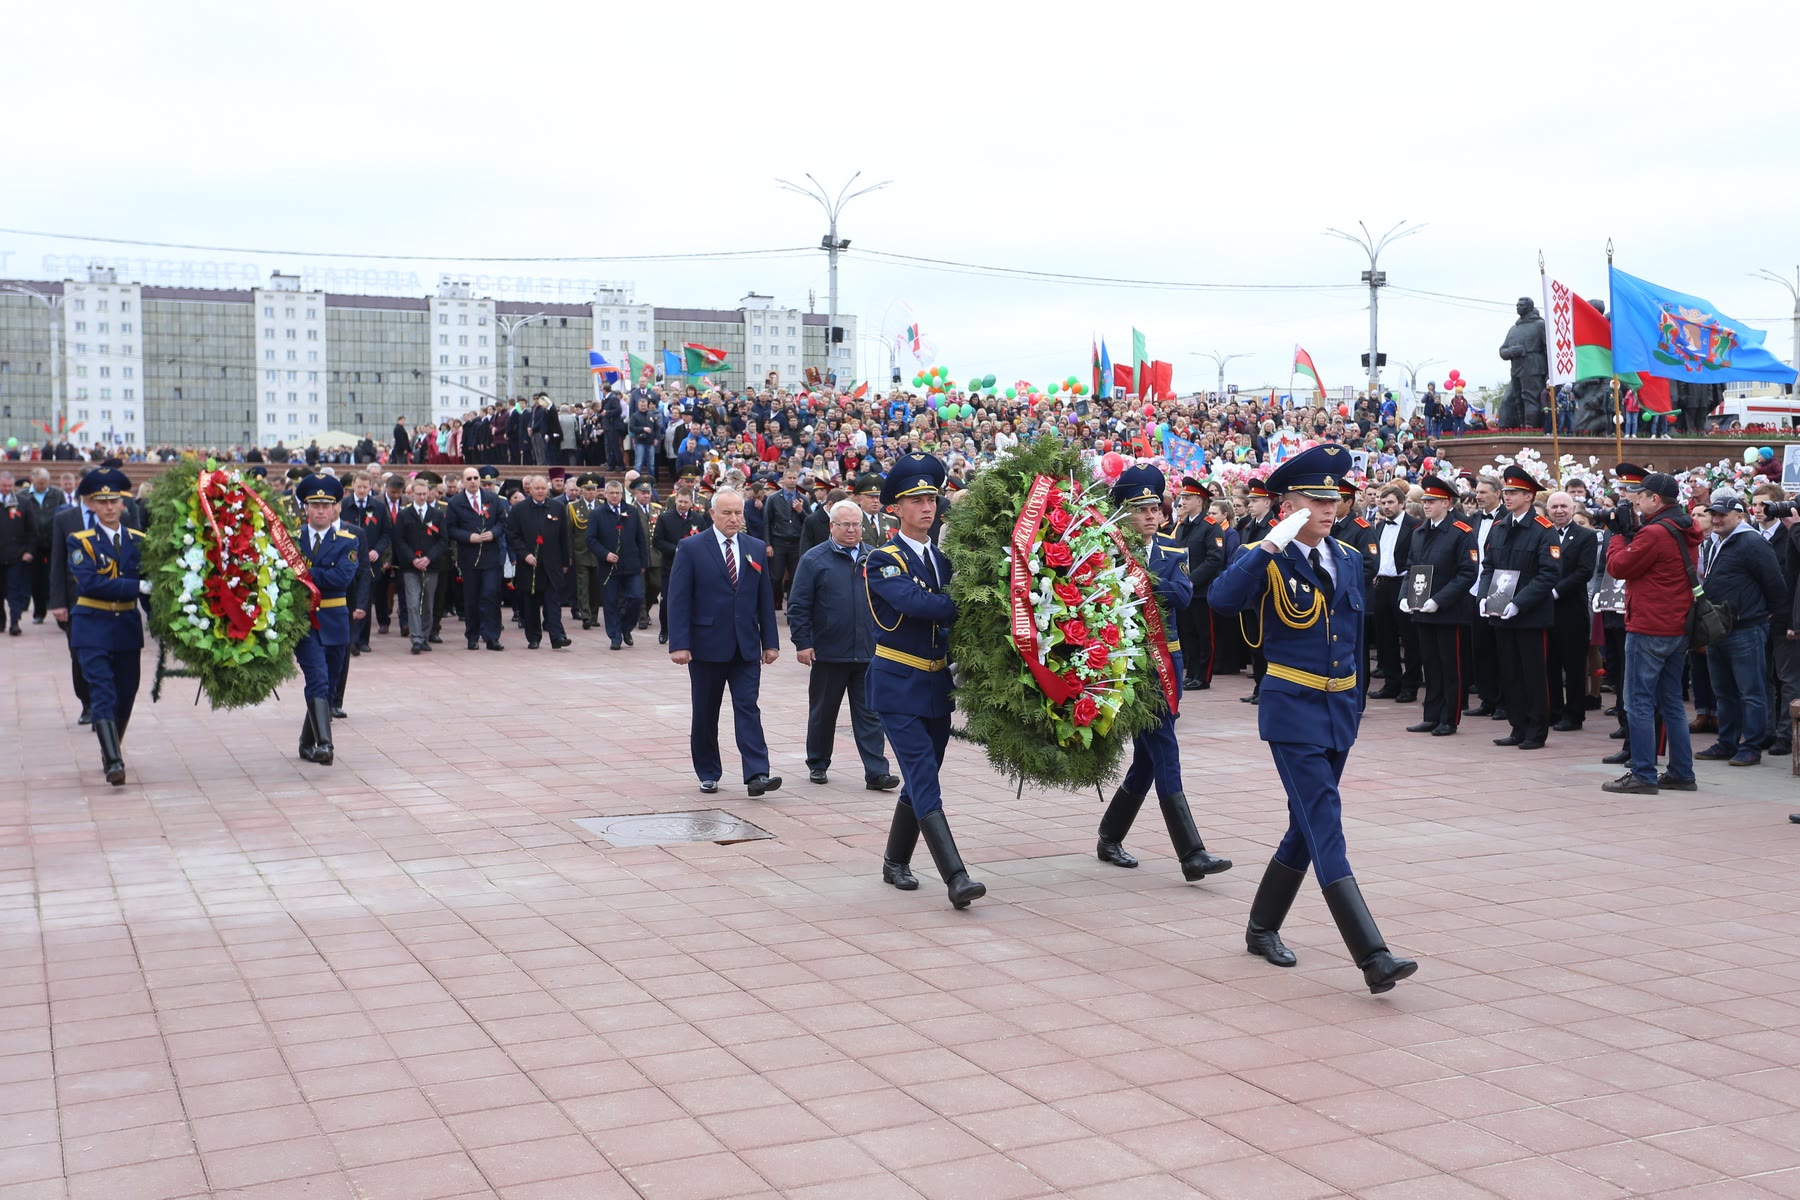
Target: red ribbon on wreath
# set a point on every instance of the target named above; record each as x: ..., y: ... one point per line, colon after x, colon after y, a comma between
x: 229, y: 601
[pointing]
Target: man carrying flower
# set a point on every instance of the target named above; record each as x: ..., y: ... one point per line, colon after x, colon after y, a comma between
x: 1156, y: 755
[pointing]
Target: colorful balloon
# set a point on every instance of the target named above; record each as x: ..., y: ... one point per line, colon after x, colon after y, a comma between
x: 1012, y: 393
x: 1111, y: 464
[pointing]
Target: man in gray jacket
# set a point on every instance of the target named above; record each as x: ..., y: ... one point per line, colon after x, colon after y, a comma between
x: 833, y: 630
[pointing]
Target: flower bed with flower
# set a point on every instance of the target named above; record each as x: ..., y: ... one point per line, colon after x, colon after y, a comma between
x: 230, y: 594
x: 1057, y: 637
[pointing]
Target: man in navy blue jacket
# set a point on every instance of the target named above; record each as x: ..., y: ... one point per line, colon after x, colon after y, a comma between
x: 722, y: 629
x: 619, y: 545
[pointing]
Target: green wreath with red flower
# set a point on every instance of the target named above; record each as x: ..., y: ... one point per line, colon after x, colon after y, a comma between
x: 231, y: 596
x: 1058, y: 639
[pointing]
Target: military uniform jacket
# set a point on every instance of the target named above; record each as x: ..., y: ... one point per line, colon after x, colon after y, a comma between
x: 334, y: 567
x: 909, y: 673
x: 1204, y: 541
x: 1528, y: 547
x: 104, y: 611
x: 1168, y: 561
x: 1364, y: 538
x: 1255, y: 529
x: 1449, y: 549
x: 1311, y: 692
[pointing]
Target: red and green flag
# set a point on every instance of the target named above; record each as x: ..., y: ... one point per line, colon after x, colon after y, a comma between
x: 1580, y: 342
x: 701, y: 360
x: 641, y: 369
x: 1303, y: 365
x: 1140, y: 362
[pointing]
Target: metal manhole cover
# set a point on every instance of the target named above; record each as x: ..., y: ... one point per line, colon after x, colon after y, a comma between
x: 666, y: 829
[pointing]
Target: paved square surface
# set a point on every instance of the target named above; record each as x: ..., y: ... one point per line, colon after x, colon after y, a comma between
x: 413, y: 975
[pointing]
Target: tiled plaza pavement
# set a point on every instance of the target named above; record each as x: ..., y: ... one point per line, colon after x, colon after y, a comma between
x: 411, y: 975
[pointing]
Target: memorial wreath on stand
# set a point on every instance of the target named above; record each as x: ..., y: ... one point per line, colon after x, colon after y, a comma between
x: 1058, y: 638
x: 231, y: 594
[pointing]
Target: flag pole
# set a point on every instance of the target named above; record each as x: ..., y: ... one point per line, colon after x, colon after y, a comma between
x: 1550, y: 384
x: 1618, y: 414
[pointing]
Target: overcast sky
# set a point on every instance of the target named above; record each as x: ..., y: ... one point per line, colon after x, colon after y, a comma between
x: 1200, y: 144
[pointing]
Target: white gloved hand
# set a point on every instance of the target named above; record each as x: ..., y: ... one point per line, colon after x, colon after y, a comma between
x: 1405, y: 605
x: 1512, y: 610
x: 1555, y: 594
x: 1282, y: 534
x: 143, y: 587
x: 1430, y: 606
x: 956, y: 676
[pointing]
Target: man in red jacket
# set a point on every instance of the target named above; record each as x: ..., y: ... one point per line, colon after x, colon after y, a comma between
x: 1653, y: 555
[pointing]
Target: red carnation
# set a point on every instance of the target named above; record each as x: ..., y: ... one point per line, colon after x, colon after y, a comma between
x: 1075, y: 632
x: 1058, y: 554
x: 1110, y: 635
x: 1085, y: 711
x: 1097, y: 655
x: 1059, y: 519
x: 1068, y: 593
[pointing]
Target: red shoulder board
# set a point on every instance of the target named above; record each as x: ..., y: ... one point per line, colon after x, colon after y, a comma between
x: 1362, y: 523
x: 1462, y: 527
x: 1544, y: 521
x: 1210, y: 519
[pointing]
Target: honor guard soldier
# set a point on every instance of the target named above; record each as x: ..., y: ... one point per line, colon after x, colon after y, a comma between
x: 1303, y: 594
x: 908, y: 679
x: 106, y: 632
x: 322, y: 654
x: 1446, y: 545
x: 1254, y: 527
x: 1522, y: 541
x: 1155, y: 754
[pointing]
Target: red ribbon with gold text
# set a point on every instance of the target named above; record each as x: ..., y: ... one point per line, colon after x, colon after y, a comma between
x: 1144, y: 585
x: 277, y: 531
x: 1024, y: 630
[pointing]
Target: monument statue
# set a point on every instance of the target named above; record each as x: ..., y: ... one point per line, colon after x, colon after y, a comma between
x: 1594, y: 397
x: 1524, y: 348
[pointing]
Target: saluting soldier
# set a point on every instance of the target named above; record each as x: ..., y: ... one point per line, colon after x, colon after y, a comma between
x: 106, y: 632
x: 333, y: 555
x: 1303, y: 592
x: 908, y: 680
x: 1447, y: 545
x: 1522, y: 542
x: 1155, y: 754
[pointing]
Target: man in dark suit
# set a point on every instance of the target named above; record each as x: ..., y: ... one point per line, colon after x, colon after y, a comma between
x: 18, y: 547
x: 369, y: 515
x: 817, y: 526
x: 402, y: 450
x: 44, y: 502
x: 1392, y: 632
x: 421, y: 545
x: 621, y: 550
x: 784, y: 515
x: 538, y: 533
x: 722, y: 628
x: 642, y: 497
x: 477, y: 523
x: 679, y: 521
x: 1570, y: 622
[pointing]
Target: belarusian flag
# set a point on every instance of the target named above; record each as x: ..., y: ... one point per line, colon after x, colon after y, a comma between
x: 702, y: 360
x: 1303, y: 365
x: 1579, y: 338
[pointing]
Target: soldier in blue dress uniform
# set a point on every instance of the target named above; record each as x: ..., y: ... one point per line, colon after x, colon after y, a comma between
x: 1156, y: 755
x: 324, y: 653
x: 909, y: 679
x: 1302, y: 593
x: 105, y: 630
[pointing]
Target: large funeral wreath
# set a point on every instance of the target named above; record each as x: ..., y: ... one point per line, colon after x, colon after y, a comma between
x: 230, y: 592
x: 1058, y: 637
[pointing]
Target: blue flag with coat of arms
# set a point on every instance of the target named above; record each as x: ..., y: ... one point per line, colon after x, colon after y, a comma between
x: 1672, y: 335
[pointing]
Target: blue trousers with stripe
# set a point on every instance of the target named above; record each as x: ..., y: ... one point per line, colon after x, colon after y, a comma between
x: 918, y: 744
x: 1156, y: 755
x: 1315, y: 832
x: 321, y: 666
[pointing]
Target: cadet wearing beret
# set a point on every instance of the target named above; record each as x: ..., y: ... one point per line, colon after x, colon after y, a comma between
x: 908, y: 680
x: 1155, y: 754
x: 324, y: 653
x: 106, y: 633
x: 1303, y: 594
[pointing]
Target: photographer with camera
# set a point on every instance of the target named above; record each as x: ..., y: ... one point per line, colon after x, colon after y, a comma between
x: 1740, y: 573
x: 1652, y: 550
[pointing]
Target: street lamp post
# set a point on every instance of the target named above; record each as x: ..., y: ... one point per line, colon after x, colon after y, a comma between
x: 831, y: 243
x: 510, y: 327
x: 1376, y: 279
x: 1221, y: 360
x: 1793, y: 290
x: 1413, y: 369
x: 893, y: 361
x: 54, y: 304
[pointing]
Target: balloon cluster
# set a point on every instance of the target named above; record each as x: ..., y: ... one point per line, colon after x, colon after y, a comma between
x: 936, y: 381
x: 1454, y: 382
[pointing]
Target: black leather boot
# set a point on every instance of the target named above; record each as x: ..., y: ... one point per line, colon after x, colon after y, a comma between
x: 1196, y: 863
x: 112, y: 760
x: 903, y: 836
x: 308, y: 739
x: 321, y: 723
x: 962, y: 889
x: 1381, y: 970
x: 1114, y: 825
x: 1274, y: 896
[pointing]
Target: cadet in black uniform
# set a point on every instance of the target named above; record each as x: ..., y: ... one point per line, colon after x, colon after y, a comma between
x: 1253, y: 527
x: 1198, y: 534
x: 1447, y: 546
x: 1521, y: 541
